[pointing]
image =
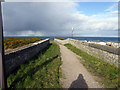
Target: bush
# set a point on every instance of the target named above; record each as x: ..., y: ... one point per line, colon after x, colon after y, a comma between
x: 11, y: 43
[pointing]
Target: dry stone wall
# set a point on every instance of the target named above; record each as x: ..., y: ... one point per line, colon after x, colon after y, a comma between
x: 62, y: 41
x: 108, y: 57
x: 15, y: 58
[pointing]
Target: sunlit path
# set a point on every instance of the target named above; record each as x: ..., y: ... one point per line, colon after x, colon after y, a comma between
x: 76, y: 76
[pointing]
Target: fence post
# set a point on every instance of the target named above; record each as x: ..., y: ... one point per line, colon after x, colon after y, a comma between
x: 3, y: 83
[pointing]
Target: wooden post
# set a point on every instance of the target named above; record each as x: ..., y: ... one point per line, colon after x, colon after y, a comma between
x: 3, y: 83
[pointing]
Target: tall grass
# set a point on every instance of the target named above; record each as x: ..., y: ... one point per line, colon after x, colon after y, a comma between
x: 41, y: 72
x: 109, y: 74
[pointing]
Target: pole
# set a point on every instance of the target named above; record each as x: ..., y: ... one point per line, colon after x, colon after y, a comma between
x: 3, y: 83
x: 72, y: 32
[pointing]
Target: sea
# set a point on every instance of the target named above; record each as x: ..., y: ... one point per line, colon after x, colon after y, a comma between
x: 97, y: 39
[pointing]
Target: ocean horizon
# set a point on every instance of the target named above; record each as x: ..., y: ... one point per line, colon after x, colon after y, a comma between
x: 113, y: 39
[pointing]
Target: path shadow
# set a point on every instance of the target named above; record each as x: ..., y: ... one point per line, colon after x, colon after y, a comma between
x: 40, y: 53
x: 31, y: 72
x: 79, y: 83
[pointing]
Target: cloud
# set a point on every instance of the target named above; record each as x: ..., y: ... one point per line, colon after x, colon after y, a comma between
x: 113, y: 9
x: 53, y: 19
x: 94, y: 26
x: 61, y: 0
x: 114, y: 12
x: 26, y: 33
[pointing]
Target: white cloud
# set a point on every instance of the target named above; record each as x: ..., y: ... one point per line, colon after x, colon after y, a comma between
x: 114, y: 12
x: 113, y: 9
x: 97, y: 24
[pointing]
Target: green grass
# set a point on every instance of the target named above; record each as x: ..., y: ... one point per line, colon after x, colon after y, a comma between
x: 108, y: 74
x: 41, y: 72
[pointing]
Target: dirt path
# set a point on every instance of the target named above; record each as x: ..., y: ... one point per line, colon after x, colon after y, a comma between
x: 76, y: 75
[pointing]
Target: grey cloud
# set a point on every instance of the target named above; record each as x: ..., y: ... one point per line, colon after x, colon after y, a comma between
x: 48, y: 19
x: 45, y: 17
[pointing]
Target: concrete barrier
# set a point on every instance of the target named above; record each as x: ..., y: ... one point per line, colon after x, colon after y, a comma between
x: 19, y: 56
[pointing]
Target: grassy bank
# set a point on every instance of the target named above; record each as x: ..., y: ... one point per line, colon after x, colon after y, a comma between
x: 41, y: 72
x: 108, y: 74
x: 11, y: 43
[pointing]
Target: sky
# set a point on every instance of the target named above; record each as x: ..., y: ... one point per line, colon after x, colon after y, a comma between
x: 91, y: 19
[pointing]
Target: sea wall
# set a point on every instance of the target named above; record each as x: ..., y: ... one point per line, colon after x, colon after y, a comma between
x: 19, y: 56
x: 98, y: 51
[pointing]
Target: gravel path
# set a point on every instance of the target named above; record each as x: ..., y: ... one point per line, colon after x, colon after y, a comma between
x: 76, y: 75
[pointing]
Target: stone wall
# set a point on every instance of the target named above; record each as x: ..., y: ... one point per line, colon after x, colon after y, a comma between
x: 98, y: 53
x: 105, y: 48
x: 62, y: 41
x: 19, y: 56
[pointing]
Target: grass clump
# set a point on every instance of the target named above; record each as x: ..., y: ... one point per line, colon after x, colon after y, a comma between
x: 41, y: 72
x: 61, y: 38
x: 109, y: 74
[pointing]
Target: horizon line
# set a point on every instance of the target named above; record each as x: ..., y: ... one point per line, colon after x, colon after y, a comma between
x: 61, y: 36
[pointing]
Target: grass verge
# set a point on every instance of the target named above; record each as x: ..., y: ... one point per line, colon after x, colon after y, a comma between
x: 108, y: 74
x: 41, y: 72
